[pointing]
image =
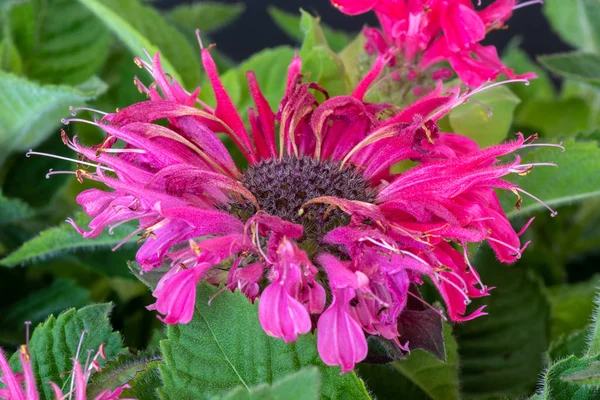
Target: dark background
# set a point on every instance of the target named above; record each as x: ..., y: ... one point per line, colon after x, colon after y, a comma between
x: 255, y: 30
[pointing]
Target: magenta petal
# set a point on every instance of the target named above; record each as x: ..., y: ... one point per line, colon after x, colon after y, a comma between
x: 281, y: 315
x: 340, y: 339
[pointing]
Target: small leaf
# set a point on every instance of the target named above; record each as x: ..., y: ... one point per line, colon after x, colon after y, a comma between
x: 574, y: 344
x: 30, y: 112
x: 571, y: 306
x: 290, y: 24
x: 575, y: 21
x: 54, y: 344
x: 576, y: 178
x: 64, y: 238
x: 59, y: 296
x: 576, y: 65
x: 122, y: 371
x: 500, y: 352
x: 482, y: 125
x: 12, y: 210
x: 140, y: 27
x: 228, y: 341
x: 207, y: 16
x: 319, y: 62
x: 356, y: 60
x: 301, y: 385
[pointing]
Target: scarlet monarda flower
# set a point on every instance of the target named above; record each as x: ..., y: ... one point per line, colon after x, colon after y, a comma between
x: 316, y: 211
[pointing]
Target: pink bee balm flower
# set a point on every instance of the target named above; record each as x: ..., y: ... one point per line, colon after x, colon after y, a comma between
x: 417, y: 35
x: 316, y: 210
x: 23, y: 386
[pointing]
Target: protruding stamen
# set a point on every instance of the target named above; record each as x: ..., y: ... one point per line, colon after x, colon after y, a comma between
x: 524, y: 169
x: 67, y: 121
x: 74, y: 110
x: 553, y: 213
x: 455, y: 286
x: 527, y: 3
x: 559, y: 145
x: 31, y: 152
x: 52, y: 172
x: 473, y: 271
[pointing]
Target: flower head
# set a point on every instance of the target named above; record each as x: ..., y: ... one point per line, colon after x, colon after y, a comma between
x: 317, y: 210
x: 418, y: 35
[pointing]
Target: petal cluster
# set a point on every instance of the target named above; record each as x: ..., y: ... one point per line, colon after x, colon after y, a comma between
x: 19, y: 386
x: 196, y: 216
x: 421, y: 34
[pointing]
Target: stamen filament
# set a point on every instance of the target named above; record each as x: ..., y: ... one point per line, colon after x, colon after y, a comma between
x: 528, y: 3
x: 31, y: 152
x: 74, y: 110
x: 553, y: 213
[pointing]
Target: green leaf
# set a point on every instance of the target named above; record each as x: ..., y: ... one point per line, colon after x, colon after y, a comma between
x: 547, y: 116
x: 385, y: 382
x: 54, y: 344
x: 122, y: 371
x: 70, y: 45
x: 64, y: 238
x: 437, y: 378
x: 576, y: 178
x: 575, y: 65
x: 574, y: 344
x: 594, y: 335
x: 356, y: 60
x: 571, y: 306
x: 140, y: 27
x: 588, y: 93
x: 301, y: 385
x: 319, y: 62
x: 290, y: 24
x: 146, y: 383
x: 10, y: 59
x: 30, y: 112
x: 486, y: 128
x: 576, y: 21
x: 207, y: 16
x: 59, y: 296
x: 500, y: 352
x: 228, y: 341
x: 587, y: 376
x: 12, y: 210
x: 555, y: 387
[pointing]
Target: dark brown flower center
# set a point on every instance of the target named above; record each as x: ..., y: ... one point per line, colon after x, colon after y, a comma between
x: 282, y: 187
